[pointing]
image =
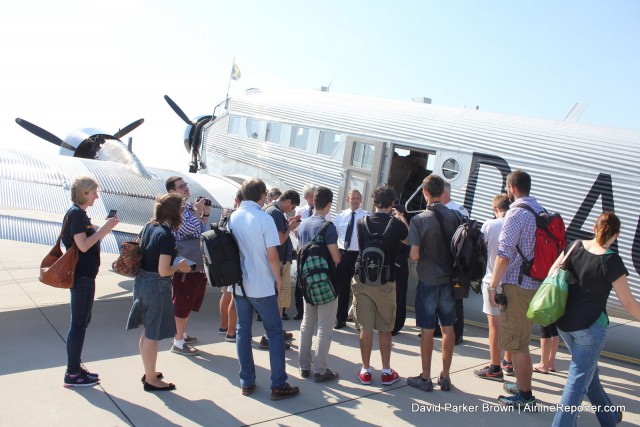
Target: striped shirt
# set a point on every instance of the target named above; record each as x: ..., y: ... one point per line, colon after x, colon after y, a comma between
x: 191, y: 226
x: 519, y: 229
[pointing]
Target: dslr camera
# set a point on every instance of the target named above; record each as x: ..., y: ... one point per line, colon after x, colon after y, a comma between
x: 501, y: 300
x: 207, y: 202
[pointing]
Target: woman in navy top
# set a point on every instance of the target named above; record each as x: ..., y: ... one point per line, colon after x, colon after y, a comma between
x: 152, y: 306
x: 86, y: 237
x: 595, y: 270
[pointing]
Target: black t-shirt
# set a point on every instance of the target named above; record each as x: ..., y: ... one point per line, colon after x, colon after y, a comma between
x: 78, y: 222
x: 589, y: 286
x: 377, y: 223
x: 156, y: 240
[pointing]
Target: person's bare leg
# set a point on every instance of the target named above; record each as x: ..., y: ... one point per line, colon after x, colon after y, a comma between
x: 545, y: 354
x: 448, y: 341
x: 523, y: 369
x: 426, y: 348
x: 384, y: 342
x: 149, y: 354
x: 225, y: 301
x: 555, y: 341
x: 181, y: 326
x: 494, y: 339
x: 366, y: 345
x: 233, y: 318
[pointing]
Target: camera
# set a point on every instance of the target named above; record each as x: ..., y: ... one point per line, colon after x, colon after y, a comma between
x: 501, y: 300
x: 207, y: 202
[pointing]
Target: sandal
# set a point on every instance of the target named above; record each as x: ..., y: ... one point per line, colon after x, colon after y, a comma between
x: 539, y: 371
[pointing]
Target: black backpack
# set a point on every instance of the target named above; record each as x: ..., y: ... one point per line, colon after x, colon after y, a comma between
x: 372, y: 268
x: 315, y: 272
x: 469, y: 253
x: 221, y: 258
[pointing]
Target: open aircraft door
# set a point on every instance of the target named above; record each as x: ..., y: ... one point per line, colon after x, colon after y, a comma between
x: 452, y: 165
x: 362, y: 164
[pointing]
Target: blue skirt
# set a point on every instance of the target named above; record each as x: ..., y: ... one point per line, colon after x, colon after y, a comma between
x: 152, y: 306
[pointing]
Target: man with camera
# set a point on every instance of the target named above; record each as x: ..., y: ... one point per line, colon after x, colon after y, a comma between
x: 188, y: 288
x: 513, y: 291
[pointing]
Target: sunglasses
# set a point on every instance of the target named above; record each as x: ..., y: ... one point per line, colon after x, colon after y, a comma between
x: 180, y: 187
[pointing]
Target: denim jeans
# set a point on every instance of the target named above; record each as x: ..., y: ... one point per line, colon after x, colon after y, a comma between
x: 585, y: 346
x: 82, y: 293
x: 267, y: 308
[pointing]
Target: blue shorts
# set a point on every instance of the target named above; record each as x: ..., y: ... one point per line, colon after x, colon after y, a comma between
x: 433, y: 303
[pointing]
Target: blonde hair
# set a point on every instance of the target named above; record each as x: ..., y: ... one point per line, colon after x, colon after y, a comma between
x: 81, y: 187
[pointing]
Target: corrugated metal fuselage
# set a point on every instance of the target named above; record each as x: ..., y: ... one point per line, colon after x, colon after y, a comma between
x: 577, y: 170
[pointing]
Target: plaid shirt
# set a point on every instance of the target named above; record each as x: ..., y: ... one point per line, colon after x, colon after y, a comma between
x: 519, y: 229
x: 190, y: 227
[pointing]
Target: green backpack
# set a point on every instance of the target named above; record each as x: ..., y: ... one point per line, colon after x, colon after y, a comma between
x: 315, y: 273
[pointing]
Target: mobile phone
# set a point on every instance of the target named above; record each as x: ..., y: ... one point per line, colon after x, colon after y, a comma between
x: 112, y: 213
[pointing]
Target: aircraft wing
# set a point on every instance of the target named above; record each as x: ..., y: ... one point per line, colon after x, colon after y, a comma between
x: 35, y: 194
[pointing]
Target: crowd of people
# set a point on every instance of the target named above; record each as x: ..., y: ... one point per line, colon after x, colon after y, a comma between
x: 171, y: 285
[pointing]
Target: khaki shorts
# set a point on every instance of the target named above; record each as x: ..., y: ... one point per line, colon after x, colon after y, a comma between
x: 515, y: 326
x: 374, y: 307
x: 284, y: 301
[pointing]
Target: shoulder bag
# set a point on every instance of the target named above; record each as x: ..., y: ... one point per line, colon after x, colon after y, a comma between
x: 130, y: 258
x: 58, y: 269
x: 549, y: 302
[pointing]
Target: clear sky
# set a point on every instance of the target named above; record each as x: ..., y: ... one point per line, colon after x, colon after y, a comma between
x: 72, y: 64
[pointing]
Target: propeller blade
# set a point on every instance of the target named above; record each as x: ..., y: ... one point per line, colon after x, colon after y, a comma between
x: 128, y: 128
x: 177, y: 109
x: 47, y: 136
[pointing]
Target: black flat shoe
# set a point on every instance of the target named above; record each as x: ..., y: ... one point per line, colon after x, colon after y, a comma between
x: 158, y: 376
x: 168, y: 387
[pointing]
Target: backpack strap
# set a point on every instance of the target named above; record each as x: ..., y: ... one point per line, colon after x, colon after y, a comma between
x: 524, y: 259
x: 321, y: 232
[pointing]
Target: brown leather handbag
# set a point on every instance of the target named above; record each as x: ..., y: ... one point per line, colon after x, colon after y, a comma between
x: 57, y: 268
x: 130, y: 258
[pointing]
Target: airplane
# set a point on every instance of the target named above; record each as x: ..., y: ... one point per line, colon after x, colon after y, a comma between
x: 35, y: 189
x: 291, y: 138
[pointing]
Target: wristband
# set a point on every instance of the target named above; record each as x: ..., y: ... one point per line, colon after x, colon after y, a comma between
x: 491, y: 289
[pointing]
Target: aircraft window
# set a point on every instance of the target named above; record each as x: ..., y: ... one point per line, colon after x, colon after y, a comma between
x: 299, y: 137
x: 328, y: 142
x: 362, y: 155
x: 273, y: 132
x: 450, y: 168
x: 253, y: 126
x: 234, y: 126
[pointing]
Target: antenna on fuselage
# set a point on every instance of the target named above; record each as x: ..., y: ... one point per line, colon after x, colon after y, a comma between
x: 576, y: 111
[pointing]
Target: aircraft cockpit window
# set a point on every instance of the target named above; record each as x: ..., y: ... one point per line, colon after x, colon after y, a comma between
x: 234, y: 126
x: 362, y: 155
x: 450, y: 168
x: 274, y: 130
x: 299, y: 137
x: 328, y: 142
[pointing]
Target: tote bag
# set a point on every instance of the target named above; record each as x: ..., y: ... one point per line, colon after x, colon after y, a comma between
x: 549, y: 302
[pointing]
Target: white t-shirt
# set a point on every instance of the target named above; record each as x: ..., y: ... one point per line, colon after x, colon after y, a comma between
x: 491, y: 230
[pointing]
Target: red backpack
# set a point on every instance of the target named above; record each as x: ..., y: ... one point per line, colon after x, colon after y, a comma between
x: 551, y: 237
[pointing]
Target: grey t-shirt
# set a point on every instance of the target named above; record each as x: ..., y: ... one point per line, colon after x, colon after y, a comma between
x: 436, y: 264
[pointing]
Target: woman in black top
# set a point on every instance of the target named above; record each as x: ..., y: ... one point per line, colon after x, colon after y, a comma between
x: 86, y: 237
x: 152, y: 306
x: 595, y: 270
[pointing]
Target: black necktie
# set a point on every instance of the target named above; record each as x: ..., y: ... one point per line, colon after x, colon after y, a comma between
x: 310, y: 210
x: 347, y: 237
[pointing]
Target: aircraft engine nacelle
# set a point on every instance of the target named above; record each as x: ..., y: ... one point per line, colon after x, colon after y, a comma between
x: 193, y: 140
x: 87, y: 142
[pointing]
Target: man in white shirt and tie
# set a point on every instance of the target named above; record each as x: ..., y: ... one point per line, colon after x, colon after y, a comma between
x: 345, y: 223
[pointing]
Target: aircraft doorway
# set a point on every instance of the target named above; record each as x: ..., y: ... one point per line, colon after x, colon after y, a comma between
x: 409, y: 167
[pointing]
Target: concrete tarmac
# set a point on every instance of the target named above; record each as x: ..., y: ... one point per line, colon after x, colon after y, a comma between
x: 34, y: 319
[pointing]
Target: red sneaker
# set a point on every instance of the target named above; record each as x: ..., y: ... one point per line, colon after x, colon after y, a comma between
x: 388, y: 379
x: 364, y: 378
